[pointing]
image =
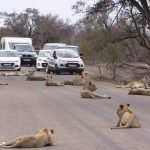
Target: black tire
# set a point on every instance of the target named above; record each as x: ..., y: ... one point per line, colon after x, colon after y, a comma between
x: 37, y: 69
x: 47, y: 70
x: 80, y: 72
x: 57, y: 70
x: 19, y: 69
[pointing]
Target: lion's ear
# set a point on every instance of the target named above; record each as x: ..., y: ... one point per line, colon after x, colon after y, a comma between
x: 121, y: 106
x: 128, y: 105
x: 52, y: 131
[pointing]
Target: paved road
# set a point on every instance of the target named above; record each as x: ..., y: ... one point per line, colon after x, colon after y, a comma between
x: 79, y: 124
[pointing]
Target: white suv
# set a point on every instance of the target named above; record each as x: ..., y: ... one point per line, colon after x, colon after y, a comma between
x: 64, y: 60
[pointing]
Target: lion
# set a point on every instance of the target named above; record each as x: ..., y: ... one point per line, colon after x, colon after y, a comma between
x: 44, y: 137
x: 88, y: 92
x: 140, y: 91
x: 127, y: 119
x: 143, y: 83
x: 78, y: 81
x: 51, y: 82
x: 16, y: 73
x: 33, y: 77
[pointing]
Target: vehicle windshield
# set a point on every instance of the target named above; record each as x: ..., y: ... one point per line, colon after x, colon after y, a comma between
x: 70, y: 48
x: 44, y: 53
x: 67, y: 53
x: 51, y: 47
x: 8, y: 54
x: 23, y: 48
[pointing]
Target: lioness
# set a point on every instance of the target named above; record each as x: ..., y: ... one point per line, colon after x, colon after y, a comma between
x: 51, y: 82
x: 43, y: 137
x: 127, y: 119
x: 78, y: 81
x: 140, y: 91
x: 143, y: 83
x: 16, y: 73
x: 88, y: 91
x: 33, y: 77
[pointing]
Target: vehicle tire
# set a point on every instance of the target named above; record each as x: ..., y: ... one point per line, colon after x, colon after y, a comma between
x: 71, y: 72
x: 47, y: 70
x: 37, y: 69
x: 19, y: 69
x: 80, y: 72
x: 57, y: 70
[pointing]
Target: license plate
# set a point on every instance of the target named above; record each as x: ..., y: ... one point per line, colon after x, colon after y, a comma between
x: 26, y: 59
x: 72, y: 66
x: 6, y: 64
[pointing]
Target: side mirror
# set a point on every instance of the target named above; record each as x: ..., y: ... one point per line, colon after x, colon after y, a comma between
x: 54, y: 55
x: 81, y: 54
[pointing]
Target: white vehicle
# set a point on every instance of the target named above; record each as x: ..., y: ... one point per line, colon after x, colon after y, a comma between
x: 64, y: 60
x: 73, y: 47
x: 8, y: 42
x: 9, y: 60
x: 23, y: 46
x: 41, y: 62
x: 52, y: 46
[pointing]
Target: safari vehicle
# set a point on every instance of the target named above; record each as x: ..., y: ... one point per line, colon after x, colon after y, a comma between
x: 23, y: 46
x: 64, y: 60
x: 9, y: 60
x: 41, y: 62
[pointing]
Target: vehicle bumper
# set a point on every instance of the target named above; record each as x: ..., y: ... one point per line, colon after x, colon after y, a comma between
x: 42, y: 65
x: 9, y: 66
x: 28, y: 60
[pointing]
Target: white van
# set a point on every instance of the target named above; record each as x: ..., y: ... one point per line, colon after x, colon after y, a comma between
x: 23, y: 46
x: 64, y: 60
x: 51, y: 46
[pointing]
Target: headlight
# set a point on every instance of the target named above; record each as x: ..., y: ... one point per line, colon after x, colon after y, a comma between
x: 62, y: 61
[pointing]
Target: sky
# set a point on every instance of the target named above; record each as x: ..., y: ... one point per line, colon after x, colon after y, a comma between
x: 61, y: 8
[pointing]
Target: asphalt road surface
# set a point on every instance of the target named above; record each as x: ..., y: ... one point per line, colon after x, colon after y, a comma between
x: 79, y: 124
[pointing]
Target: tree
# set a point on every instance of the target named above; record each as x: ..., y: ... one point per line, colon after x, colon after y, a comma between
x: 135, y: 12
x: 112, y: 54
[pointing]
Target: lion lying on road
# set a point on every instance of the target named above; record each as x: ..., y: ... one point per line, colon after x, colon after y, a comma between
x: 88, y: 92
x: 32, y: 77
x: 51, y: 82
x: 43, y: 137
x: 78, y: 81
x: 143, y: 83
x: 127, y: 119
x: 140, y: 91
x: 15, y: 73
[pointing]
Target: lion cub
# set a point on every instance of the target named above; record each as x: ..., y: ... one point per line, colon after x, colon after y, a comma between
x: 127, y: 119
x: 88, y: 91
x: 51, y: 82
x: 32, y: 77
x: 78, y: 81
x: 43, y: 137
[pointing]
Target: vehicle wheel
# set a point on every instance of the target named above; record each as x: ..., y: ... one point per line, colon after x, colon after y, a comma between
x: 71, y: 72
x: 47, y: 70
x: 37, y: 69
x: 80, y: 73
x: 57, y: 70
x: 19, y: 69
